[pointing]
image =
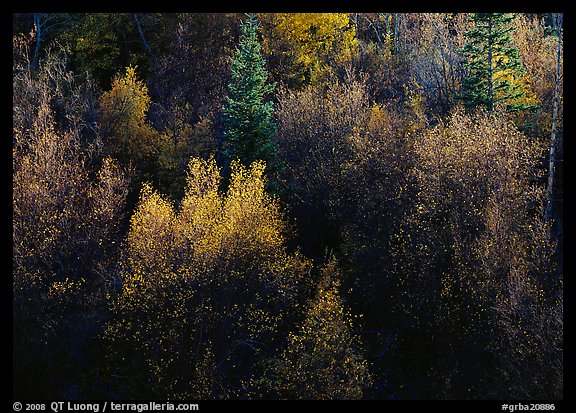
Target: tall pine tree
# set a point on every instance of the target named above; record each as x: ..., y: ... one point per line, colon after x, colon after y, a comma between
x: 494, y: 65
x: 248, y: 127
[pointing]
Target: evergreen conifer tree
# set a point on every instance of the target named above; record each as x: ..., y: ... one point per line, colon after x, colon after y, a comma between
x: 248, y: 126
x: 493, y: 63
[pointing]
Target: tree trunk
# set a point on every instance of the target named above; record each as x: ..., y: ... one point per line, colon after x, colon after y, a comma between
x: 38, y: 28
x: 490, y: 70
x: 387, y: 23
x: 552, y: 160
x: 395, y: 34
x: 146, y: 44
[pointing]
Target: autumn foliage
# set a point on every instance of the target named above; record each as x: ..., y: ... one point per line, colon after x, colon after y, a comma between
x: 323, y: 360
x: 309, y: 46
x: 304, y: 206
x: 212, y: 275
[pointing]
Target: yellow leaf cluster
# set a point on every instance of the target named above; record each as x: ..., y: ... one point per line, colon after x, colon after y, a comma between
x: 60, y: 290
x: 323, y: 359
x: 124, y: 109
x: 134, y: 90
x: 315, y: 41
x: 128, y: 98
x: 211, y: 230
x: 214, y: 265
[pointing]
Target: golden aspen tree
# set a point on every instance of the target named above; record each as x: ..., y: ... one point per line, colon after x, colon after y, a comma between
x: 323, y: 359
x: 209, y: 281
x: 125, y: 129
x: 314, y: 44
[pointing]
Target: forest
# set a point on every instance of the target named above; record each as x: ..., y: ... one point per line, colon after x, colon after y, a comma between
x: 287, y: 206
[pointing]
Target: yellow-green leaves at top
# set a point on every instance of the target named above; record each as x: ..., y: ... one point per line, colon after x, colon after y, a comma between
x: 239, y: 229
x: 151, y: 240
x: 203, y: 277
x: 128, y: 98
x: 252, y: 215
x: 315, y: 43
x: 124, y: 126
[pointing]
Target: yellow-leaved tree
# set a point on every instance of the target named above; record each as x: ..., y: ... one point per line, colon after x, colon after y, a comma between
x: 209, y: 283
x: 304, y: 48
x: 323, y: 359
x: 67, y: 208
x: 127, y: 134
